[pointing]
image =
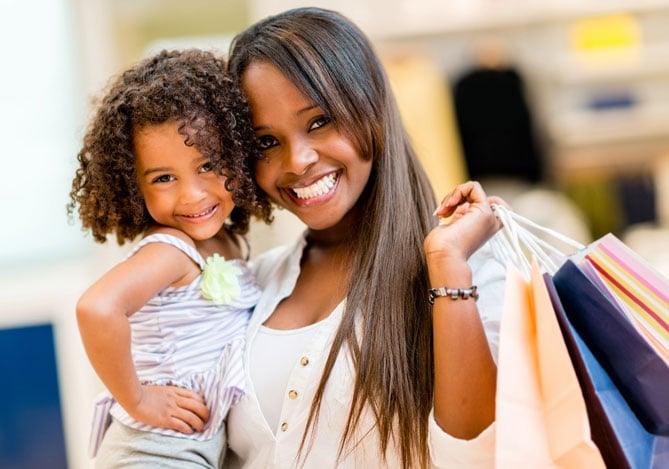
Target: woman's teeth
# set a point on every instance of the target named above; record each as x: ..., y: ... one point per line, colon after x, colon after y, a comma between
x: 320, y: 187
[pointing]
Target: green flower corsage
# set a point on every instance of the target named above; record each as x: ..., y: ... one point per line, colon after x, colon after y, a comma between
x: 220, y: 282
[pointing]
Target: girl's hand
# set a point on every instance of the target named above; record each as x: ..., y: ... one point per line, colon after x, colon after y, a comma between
x: 471, y: 225
x: 171, y: 407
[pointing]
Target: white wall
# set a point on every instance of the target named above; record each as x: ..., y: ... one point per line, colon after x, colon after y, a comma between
x: 44, y: 260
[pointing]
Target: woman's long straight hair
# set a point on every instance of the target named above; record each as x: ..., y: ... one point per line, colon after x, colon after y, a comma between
x: 332, y: 63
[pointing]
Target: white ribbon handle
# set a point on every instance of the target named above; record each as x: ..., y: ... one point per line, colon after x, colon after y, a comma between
x: 519, y: 243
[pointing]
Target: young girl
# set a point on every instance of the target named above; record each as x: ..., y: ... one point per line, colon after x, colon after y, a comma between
x: 350, y: 364
x: 166, y: 157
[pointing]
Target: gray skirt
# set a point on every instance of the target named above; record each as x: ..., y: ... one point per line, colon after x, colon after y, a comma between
x: 126, y: 447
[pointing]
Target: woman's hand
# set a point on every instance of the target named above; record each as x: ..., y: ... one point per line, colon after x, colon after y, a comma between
x: 171, y: 407
x: 464, y: 369
x: 472, y: 224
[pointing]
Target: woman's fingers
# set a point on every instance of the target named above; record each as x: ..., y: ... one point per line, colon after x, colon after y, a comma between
x: 470, y: 191
x: 471, y: 223
x: 493, y: 199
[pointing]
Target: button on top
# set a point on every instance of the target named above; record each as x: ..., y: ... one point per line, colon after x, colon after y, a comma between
x: 292, y: 394
x: 304, y: 361
x: 284, y: 426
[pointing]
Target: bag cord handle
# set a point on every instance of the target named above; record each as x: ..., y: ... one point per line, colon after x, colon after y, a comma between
x: 519, y: 243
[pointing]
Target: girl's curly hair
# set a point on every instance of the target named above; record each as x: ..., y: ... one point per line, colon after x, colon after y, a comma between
x: 191, y: 87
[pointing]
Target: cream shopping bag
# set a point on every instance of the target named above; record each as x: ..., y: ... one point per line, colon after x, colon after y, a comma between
x: 541, y: 417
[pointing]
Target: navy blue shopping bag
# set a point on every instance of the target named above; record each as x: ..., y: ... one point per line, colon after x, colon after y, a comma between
x: 621, y: 438
x: 639, y: 373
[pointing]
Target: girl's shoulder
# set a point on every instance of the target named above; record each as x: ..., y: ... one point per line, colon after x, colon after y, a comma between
x: 169, y: 239
x: 169, y: 232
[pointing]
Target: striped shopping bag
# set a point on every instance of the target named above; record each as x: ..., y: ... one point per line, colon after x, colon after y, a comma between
x: 642, y: 292
x: 603, y: 315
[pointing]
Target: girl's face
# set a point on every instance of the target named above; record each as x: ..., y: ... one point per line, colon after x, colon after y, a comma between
x: 310, y: 168
x: 179, y: 187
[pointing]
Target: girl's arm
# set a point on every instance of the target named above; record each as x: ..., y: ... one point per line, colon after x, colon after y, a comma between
x: 465, y: 372
x: 102, y: 314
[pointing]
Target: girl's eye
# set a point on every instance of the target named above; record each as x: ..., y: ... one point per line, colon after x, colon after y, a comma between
x: 265, y: 142
x: 319, y: 122
x: 205, y: 168
x: 163, y: 178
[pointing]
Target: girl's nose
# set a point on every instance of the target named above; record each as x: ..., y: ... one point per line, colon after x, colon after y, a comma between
x: 192, y: 191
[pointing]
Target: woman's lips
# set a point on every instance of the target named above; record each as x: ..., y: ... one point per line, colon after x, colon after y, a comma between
x: 322, y: 186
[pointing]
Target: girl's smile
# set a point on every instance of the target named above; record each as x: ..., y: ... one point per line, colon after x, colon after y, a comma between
x: 201, y: 217
x: 179, y: 186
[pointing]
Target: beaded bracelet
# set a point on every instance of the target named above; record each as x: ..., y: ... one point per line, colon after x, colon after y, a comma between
x: 453, y: 293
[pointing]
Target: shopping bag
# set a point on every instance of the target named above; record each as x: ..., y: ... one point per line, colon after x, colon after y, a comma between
x: 617, y: 432
x: 642, y: 327
x: 642, y: 291
x: 541, y: 417
x: 638, y: 371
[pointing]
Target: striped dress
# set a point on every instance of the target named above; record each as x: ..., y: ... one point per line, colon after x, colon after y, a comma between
x: 180, y: 338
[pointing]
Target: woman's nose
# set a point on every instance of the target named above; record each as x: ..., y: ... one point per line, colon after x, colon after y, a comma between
x: 299, y: 157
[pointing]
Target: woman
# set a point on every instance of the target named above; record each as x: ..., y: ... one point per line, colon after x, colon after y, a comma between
x: 340, y: 348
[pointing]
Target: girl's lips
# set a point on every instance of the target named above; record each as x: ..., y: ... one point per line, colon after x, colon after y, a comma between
x: 201, y: 216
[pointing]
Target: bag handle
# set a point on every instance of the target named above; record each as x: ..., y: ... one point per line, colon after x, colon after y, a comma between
x: 519, y: 243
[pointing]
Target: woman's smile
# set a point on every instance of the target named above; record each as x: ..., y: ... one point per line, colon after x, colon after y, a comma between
x: 311, y: 166
x: 318, y: 191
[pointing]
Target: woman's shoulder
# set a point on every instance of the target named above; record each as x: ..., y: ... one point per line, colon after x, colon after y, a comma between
x: 271, y: 258
x: 277, y: 259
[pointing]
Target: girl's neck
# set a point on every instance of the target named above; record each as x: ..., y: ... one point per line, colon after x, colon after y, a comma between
x: 224, y: 243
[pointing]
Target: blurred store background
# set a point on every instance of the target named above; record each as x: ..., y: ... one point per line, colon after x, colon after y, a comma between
x: 561, y: 106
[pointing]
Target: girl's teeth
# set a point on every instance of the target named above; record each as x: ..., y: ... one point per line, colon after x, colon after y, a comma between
x: 199, y: 214
x: 320, y: 187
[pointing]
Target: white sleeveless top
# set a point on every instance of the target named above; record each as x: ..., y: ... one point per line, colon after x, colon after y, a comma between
x: 180, y: 338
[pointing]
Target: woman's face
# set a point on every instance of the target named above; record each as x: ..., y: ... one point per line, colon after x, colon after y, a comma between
x: 310, y: 167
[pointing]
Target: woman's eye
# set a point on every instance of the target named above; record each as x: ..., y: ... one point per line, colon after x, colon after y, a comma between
x: 319, y: 122
x: 205, y: 168
x: 163, y: 178
x: 265, y: 142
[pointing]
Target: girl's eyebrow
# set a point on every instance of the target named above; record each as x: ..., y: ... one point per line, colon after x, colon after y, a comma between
x: 156, y: 170
x: 167, y: 169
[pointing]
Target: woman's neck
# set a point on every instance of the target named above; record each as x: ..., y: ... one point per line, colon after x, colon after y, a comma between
x: 327, y: 239
x: 341, y: 235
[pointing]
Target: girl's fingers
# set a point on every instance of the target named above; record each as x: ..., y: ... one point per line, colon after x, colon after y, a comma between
x: 191, y: 413
x: 194, y: 422
x: 194, y: 404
